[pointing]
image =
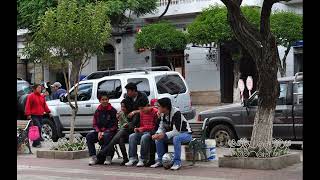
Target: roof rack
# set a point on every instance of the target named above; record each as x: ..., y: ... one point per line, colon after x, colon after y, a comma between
x: 100, y: 74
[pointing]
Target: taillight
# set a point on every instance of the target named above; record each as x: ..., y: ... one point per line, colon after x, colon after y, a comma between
x: 190, y: 99
x: 153, y: 102
x: 199, y: 118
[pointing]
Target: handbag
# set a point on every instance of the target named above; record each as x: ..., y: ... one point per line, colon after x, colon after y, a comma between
x: 33, y: 133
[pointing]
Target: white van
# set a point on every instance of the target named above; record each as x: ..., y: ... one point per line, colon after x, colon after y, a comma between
x: 156, y: 84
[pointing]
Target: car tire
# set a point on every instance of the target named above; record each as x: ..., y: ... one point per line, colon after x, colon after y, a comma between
x: 48, y: 130
x: 222, y: 134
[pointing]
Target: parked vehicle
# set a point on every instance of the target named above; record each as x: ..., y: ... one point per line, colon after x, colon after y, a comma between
x: 156, y: 84
x: 23, y: 89
x: 235, y: 121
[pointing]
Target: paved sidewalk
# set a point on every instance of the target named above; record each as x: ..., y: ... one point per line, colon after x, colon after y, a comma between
x: 30, y: 167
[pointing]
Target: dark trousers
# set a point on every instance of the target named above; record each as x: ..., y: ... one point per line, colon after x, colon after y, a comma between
x: 92, y: 138
x: 37, y: 121
x: 120, y: 138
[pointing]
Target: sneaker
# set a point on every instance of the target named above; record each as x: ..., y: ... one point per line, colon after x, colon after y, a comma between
x: 140, y: 163
x: 107, y: 161
x: 157, y: 164
x: 124, y: 162
x: 93, y: 160
x: 175, y: 167
x: 131, y: 162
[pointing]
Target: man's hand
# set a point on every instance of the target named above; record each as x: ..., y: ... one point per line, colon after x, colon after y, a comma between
x: 136, y: 130
x: 29, y: 117
x: 118, y: 115
x: 131, y: 114
x: 160, y: 136
x: 100, y: 135
x: 158, y: 114
x: 155, y: 137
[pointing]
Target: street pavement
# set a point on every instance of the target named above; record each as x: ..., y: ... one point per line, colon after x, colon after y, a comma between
x: 29, y: 167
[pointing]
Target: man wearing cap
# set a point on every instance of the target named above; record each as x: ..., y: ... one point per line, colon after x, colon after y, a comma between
x: 57, y: 90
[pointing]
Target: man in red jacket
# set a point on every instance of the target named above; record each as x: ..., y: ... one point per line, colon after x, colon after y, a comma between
x: 36, y: 107
x: 142, y: 134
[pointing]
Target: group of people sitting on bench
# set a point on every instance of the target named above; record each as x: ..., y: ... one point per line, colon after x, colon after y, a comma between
x: 138, y: 123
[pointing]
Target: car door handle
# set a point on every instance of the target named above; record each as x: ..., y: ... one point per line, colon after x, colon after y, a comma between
x: 88, y: 105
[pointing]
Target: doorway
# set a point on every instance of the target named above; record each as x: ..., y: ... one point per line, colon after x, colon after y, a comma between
x: 106, y: 60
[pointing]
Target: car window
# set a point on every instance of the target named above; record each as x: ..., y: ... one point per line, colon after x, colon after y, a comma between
x: 143, y: 84
x: 171, y: 84
x: 84, y: 92
x: 112, y: 87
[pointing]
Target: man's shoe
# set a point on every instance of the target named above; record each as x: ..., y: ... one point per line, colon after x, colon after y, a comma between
x: 149, y: 163
x: 124, y: 162
x: 140, y: 163
x: 93, y: 160
x: 157, y: 164
x: 175, y: 167
x: 107, y: 161
x: 131, y: 162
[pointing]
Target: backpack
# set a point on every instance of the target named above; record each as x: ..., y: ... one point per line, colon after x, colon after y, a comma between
x: 33, y: 133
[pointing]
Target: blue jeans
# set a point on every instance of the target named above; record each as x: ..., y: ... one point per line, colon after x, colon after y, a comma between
x: 37, y: 121
x: 177, y: 140
x: 144, y: 139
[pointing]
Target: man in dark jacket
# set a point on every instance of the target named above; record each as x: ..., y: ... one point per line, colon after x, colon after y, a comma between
x: 105, y: 126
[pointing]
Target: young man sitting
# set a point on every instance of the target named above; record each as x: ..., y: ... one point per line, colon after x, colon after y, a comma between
x: 143, y: 133
x: 173, y: 126
x: 105, y: 127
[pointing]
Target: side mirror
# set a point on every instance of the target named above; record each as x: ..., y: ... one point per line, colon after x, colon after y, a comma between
x: 63, y: 98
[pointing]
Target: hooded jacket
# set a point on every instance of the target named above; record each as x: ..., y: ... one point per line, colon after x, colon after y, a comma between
x: 104, y: 119
x: 173, y: 124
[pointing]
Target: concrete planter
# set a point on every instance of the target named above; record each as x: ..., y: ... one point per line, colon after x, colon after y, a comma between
x: 260, y: 163
x: 53, y: 154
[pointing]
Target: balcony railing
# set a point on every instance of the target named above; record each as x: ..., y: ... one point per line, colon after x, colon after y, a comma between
x: 176, y: 2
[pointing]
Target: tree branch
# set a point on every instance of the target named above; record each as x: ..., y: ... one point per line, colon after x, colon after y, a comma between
x: 165, y: 11
x: 265, y: 16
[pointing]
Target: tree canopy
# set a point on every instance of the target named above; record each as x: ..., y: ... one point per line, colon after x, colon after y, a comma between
x: 162, y: 35
x: 287, y: 27
x: 212, y: 24
x: 120, y: 11
x: 70, y: 34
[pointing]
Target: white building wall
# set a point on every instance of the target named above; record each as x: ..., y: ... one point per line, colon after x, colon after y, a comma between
x: 201, y: 74
x: 131, y: 58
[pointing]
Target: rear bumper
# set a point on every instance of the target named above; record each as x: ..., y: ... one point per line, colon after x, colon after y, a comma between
x: 190, y: 114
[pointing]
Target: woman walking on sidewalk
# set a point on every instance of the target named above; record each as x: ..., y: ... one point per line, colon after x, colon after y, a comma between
x: 36, y: 107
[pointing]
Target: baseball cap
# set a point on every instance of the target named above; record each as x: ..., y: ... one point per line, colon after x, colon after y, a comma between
x: 57, y: 84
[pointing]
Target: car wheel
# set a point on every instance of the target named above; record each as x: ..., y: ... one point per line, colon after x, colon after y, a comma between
x: 222, y: 134
x: 48, y: 130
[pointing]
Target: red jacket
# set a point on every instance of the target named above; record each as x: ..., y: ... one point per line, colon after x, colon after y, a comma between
x: 36, y: 105
x: 148, y: 120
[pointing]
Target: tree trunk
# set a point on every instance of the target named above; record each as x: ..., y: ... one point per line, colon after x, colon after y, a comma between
x: 236, y: 77
x: 72, y: 124
x: 268, y: 89
x: 283, y: 67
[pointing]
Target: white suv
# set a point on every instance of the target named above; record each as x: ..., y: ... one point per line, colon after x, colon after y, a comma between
x: 156, y: 84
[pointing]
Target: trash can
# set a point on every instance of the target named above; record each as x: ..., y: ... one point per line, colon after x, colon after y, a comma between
x: 211, y: 149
